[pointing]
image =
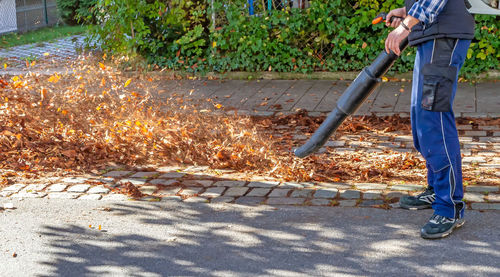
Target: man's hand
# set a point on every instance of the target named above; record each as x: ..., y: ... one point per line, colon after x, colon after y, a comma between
x: 401, y: 12
x: 394, y: 40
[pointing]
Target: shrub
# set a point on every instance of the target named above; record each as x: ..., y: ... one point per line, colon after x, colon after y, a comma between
x: 73, y: 12
x: 331, y: 35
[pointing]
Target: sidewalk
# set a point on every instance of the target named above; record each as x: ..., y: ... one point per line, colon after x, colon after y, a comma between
x: 265, y: 97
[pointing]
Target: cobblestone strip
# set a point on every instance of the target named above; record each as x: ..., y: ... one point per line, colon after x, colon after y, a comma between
x: 182, y: 186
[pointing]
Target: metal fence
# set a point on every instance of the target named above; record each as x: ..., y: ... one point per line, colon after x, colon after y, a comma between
x: 256, y: 6
x: 8, y: 20
x: 34, y: 14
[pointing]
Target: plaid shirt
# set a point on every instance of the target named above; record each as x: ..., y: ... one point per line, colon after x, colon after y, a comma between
x: 427, y: 10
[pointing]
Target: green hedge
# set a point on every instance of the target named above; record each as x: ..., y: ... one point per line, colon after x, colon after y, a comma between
x: 330, y: 35
x: 73, y: 12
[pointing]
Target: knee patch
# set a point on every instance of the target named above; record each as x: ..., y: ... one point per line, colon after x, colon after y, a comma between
x: 438, y: 163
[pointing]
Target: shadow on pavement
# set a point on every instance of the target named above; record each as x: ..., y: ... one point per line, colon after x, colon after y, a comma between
x: 195, y: 239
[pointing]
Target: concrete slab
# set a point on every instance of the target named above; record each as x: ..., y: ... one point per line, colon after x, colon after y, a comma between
x: 330, y: 100
x: 387, y: 98
x: 465, y: 99
x: 226, y: 90
x: 204, y: 89
x: 314, y: 95
x: 367, y: 105
x: 193, y: 239
x: 184, y: 87
x: 294, y: 94
x: 248, y: 89
x: 166, y: 89
x: 487, y: 97
x: 269, y: 93
x: 404, y: 99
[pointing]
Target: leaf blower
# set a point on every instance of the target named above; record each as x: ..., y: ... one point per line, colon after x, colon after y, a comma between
x: 366, y: 82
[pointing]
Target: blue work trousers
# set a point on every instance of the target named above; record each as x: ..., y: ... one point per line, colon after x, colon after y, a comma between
x: 434, y: 132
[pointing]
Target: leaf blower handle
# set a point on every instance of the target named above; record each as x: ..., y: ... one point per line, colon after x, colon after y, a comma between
x: 382, y: 17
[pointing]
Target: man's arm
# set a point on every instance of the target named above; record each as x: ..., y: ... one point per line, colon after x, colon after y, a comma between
x: 425, y: 11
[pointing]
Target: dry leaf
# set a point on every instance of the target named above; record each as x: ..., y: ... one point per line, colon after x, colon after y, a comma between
x: 127, y: 83
x: 43, y: 93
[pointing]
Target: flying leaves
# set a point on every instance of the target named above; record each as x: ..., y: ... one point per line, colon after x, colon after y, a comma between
x: 54, y: 78
x: 88, y: 119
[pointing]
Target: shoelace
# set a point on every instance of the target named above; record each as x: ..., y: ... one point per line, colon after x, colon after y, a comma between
x: 439, y: 219
x: 426, y: 192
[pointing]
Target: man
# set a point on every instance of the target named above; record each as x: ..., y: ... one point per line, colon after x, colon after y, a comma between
x: 441, y: 30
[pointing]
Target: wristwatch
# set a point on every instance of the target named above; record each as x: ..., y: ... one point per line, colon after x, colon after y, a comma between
x: 404, y: 26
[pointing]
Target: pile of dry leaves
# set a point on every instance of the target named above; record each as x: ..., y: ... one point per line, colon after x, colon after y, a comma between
x: 82, y: 121
x: 86, y: 119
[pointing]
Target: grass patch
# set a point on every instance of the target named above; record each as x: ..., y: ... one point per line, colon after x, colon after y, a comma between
x: 40, y: 36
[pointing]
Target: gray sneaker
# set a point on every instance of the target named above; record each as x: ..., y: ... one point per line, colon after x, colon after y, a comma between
x: 440, y: 227
x: 419, y: 202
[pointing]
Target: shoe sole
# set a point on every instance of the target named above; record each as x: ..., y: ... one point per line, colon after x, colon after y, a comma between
x: 445, y: 234
x: 414, y: 208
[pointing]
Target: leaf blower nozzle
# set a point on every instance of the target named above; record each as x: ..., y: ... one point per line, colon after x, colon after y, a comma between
x: 352, y: 98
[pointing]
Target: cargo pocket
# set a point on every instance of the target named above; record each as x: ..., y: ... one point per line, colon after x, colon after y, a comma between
x: 438, y: 87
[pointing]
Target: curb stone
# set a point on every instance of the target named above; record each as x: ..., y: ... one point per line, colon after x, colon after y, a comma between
x: 320, y: 202
x: 250, y: 200
x: 238, y: 192
x: 347, y: 203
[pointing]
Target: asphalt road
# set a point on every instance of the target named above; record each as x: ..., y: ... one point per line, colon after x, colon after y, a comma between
x: 53, y: 238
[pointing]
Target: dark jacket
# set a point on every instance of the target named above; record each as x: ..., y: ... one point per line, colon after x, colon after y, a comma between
x: 454, y: 21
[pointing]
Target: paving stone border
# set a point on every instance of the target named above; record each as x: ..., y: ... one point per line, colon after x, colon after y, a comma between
x: 193, y: 188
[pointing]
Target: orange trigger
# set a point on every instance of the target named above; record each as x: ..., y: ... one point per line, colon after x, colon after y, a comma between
x: 377, y: 20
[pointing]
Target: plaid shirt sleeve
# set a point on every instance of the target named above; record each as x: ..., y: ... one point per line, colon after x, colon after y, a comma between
x: 427, y: 10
